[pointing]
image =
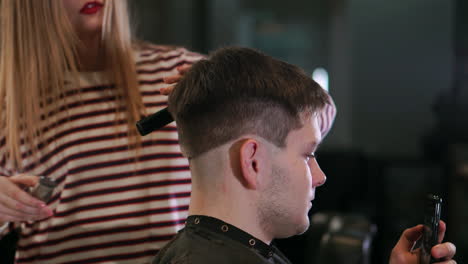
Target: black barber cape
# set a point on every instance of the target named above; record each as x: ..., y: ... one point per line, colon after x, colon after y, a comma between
x: 207, y: 240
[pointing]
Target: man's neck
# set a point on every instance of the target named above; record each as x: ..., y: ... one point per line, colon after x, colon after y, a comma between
x: 224, y: 196
x: 233, y: 211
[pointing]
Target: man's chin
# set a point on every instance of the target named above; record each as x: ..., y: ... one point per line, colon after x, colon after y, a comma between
x: 297, y: 228
x: 304, y: 228
x: 301, y: 228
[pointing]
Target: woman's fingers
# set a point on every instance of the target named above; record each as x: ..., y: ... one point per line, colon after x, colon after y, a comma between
x: 174, y: 79
x: 18, y: 205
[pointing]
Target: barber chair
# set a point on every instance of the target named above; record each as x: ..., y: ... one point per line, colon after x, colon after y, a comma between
x: 340, y: 238
x: 332, y: 238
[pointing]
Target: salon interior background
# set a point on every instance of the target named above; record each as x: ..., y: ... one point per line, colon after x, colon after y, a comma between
x: 397, y: 73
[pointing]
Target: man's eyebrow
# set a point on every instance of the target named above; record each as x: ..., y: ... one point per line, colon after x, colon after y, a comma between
x: 317, y: 145
x: 314, y: 145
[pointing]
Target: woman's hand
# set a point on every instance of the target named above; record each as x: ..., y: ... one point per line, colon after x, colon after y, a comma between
x: 402, y: 254
x: 174, y: 79
x: 16, y: 205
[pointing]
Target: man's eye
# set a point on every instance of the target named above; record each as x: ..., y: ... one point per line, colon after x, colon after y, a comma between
x: 310, y: 156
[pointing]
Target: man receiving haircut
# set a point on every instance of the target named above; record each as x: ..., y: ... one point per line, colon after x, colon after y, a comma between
x: 250, y: 126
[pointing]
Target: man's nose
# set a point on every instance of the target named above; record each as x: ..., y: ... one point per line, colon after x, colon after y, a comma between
x: 318, y: 176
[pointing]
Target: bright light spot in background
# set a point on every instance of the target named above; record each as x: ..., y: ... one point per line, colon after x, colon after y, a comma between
x: 320, y: 75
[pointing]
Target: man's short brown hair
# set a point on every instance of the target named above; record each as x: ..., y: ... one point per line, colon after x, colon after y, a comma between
x: 239, y: 91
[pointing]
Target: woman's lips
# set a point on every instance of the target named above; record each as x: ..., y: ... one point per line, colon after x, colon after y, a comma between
x: 91, y: 8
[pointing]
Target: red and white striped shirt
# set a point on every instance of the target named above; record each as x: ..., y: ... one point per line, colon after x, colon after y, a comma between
x: 108, y: 208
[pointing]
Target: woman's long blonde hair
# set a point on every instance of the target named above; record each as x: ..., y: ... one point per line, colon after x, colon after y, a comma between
x: 38, y: 49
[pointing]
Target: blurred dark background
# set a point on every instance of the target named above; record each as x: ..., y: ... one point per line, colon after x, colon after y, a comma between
x: 397, y: 71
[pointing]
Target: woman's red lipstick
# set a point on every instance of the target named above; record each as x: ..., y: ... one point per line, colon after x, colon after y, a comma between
x: 91, y: 8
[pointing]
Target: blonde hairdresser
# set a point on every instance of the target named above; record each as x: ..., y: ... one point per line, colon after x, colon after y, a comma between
x: 73, y: 82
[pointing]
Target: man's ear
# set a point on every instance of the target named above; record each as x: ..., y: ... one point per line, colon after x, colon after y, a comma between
x: 250, y: 157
